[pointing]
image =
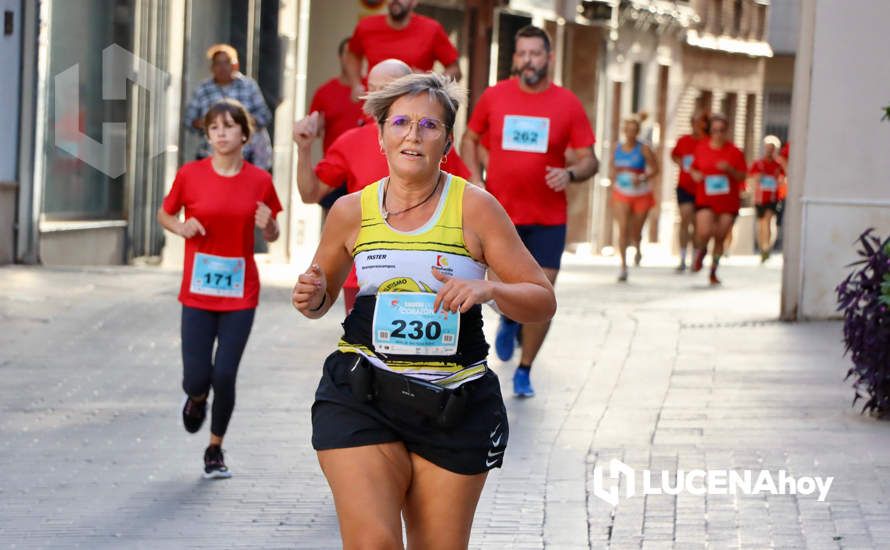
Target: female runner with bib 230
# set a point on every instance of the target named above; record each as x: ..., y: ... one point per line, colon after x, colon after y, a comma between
x: 408, y: 419
x: 224, y: 197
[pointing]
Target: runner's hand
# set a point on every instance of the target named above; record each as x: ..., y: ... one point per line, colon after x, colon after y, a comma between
x: 309, y: 290
x: 191, y: 227
x: 460, y: 294
x: 723, y: 166
x: 262, y: 215
x: 696, y: 175
x: 557, y: 178
x: 306, y: 130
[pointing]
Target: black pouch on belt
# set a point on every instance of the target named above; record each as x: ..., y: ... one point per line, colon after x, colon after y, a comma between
x: 443, y: 406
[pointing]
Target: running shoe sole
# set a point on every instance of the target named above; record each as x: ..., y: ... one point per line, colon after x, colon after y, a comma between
x: 217, y: 474
x: 182, y: 417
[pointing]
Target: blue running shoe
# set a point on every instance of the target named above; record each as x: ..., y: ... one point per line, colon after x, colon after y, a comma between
x: 522, y: 384
x: 505, y: 340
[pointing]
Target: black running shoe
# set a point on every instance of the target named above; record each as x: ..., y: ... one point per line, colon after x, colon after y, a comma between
x: 193, y: 414
x: 215, y: 464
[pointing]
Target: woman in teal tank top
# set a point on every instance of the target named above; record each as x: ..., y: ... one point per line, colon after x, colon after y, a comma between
x: 408, y: 419
x: 633, y: 169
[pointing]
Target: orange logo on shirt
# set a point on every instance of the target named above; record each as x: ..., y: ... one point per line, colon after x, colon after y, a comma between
x: 441, y: 261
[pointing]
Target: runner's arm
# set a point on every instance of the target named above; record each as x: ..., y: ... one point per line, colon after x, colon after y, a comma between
x: 308, y: 185
x: 469, y: 154
x: 353, y: 69
x: 316, y: 290
x: 523, y: 292
x: 652, y: 168
x: 186, y: 230
x: 585, y: 165
x: 311, y: 189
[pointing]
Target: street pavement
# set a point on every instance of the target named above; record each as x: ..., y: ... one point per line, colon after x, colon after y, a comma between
x: 662, y: 373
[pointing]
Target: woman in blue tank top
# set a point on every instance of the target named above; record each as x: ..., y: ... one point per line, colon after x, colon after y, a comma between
x: 633, y: 168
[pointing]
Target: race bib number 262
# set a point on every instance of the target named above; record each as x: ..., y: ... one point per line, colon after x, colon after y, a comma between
x: 530, y: 134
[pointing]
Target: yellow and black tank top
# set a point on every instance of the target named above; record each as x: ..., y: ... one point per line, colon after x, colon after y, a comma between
x: 389, y: 260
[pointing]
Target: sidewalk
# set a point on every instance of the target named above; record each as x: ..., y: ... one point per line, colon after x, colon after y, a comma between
x: 661, y: 373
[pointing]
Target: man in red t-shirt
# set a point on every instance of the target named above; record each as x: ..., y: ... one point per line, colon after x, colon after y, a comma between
x: 768, y: 177
x: 337, y: 112
x: 400, y: 34
x: 719, y: 170
x: 354, y: 159
x: 531, y: 124
x: 682, y: 155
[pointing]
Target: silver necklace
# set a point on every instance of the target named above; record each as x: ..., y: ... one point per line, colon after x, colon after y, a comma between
x: 386, y: 214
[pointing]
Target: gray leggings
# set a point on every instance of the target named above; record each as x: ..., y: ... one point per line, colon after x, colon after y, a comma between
x: 201, y: 370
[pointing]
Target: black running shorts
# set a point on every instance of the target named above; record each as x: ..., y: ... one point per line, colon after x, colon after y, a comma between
x: 545, y: 242
x: 474, y: 446
x: 762, y: 209
x: 684, y: 196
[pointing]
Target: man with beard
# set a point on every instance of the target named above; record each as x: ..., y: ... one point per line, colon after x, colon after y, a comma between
x: 532, y: 124
x: 400, y: 34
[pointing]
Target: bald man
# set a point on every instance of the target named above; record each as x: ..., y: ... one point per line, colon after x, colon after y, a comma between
x: 354, y: 158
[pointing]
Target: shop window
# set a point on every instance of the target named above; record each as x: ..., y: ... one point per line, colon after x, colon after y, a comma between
x: 80, y: 31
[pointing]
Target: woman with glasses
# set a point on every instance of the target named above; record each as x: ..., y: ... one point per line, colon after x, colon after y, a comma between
x: 719, y: 171
x: 408, y: 418
x: 633, y: 168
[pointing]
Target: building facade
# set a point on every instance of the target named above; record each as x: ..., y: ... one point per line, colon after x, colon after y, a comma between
x: 98, y: 149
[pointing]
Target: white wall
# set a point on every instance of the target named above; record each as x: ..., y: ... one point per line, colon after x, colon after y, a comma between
x: 840, y: 170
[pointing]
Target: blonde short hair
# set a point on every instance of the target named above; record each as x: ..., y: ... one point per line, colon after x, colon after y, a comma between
x: 443, y: 89
x: 222, y: 48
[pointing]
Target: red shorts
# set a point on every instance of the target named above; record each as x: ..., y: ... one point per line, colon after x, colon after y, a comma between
x: 639, y: 204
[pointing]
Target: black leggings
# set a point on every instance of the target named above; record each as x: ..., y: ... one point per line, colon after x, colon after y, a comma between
x: 201, y: 370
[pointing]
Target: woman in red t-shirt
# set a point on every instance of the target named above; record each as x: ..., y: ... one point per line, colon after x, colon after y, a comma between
x: 718, y: 169
x: 682, y: 155
x: 768, y: 179
x: 224, y: 198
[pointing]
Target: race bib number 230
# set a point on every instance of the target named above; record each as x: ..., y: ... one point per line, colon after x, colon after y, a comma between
x: 530, y: 134
x: 405, y: 324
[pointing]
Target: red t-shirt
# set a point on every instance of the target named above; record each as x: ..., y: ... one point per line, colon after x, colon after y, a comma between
x: 355, y: 159
x: 541, y: 126
x: 225, y: 206
x: 717, y: 190
x: 420, y: 44
x: 685, y: 149
x: 340, y: 113
x: 769, y: 178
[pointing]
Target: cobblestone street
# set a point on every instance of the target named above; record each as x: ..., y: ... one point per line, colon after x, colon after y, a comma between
x: 663, y: 373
